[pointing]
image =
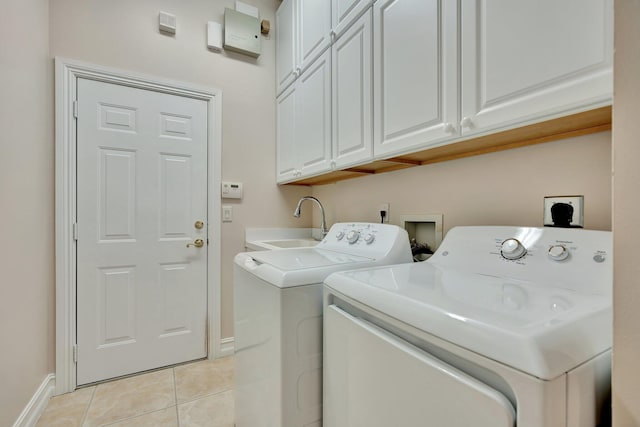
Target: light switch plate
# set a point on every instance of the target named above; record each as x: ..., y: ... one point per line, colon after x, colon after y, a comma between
x: 227, y: 213
x: 576, y: 202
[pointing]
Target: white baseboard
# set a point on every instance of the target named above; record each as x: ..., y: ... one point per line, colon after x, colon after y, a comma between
x: 38, y: 403
x: 226, y: 347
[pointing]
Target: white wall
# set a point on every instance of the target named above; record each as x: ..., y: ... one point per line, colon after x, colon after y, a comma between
x: 503, y: 188
x: 124, y: 34
x: 26, y: 213
x: 626, y: 211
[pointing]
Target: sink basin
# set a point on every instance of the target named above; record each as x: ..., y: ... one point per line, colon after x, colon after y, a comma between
x: 291, y: 243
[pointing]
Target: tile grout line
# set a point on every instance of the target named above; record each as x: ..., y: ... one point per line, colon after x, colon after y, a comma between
x: 175, y: 395
x: 202, y: 396
x: 112, y: 422
x: 86, y: 410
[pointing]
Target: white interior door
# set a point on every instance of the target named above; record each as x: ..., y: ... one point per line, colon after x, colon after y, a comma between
x: 142, y: 185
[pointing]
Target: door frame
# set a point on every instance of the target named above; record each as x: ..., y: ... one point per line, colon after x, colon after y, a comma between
x: 67, y: 72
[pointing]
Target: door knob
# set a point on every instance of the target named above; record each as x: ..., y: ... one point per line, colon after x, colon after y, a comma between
x: 198, y: 243
x: 199, y: 225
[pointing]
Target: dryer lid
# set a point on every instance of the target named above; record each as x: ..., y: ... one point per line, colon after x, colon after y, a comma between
x: 539, y: 329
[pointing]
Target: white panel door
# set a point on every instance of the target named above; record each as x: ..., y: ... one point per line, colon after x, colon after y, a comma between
x: 142, y: 185
x: 286, y: 61
x: 313, y: 117
x: 374, y: 379
x: 416, y: 74
x: 351, y: 97
x: 314, y: 30
x: 524, y: 60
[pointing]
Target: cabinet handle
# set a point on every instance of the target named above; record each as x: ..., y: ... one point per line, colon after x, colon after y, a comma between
x: 466, y: 122
x: 449, y: 128
x: 332, y: 34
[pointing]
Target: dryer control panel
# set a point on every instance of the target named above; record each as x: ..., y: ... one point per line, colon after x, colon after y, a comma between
x: 570, y: 258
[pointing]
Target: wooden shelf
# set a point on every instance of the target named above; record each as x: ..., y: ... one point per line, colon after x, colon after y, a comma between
x: 584, y: 123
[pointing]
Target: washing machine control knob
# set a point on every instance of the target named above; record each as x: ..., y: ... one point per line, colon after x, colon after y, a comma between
x: 512, y: 249
x: 369, y: 238
x: 340, y: 235
x: 558, y: 252
x: 353, y: 236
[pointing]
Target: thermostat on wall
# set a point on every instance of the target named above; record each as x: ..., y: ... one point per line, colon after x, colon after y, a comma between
x: 231, y: 190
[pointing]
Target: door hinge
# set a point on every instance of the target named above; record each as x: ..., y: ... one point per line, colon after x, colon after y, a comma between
x: 75, y: 353
x: 75, y: 109
x: 75, y: 231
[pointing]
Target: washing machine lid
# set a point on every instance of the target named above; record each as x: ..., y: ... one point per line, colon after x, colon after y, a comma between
x: 301, y: 259
x: 285, y: 268
x: 540, y: 329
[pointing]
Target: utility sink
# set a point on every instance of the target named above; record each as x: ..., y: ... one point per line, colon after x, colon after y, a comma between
x: 291, y: 243
x: 266, y: 239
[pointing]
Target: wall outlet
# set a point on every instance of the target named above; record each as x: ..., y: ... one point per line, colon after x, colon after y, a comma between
x: 572, y: 216
x: 384, y: 208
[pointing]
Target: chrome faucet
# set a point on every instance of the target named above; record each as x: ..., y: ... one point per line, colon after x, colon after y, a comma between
x: 323, y: 225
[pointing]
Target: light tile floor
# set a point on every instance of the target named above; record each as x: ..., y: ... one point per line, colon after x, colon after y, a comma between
x: 195, y: 394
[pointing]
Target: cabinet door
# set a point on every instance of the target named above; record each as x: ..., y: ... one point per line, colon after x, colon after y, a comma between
x: 530, y: 60
x: 314, y: 28
x: 286, y: 62
x: 313, y: 117
x: 344, y: 12
x: 285, y: 135
x: 416, y: 74
x: 351, y: 83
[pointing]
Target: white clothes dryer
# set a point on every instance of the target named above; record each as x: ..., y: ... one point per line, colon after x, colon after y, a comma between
x: 502, y: 326
x: 278, y: 320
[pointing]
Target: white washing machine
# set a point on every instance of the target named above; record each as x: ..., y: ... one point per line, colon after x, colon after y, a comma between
x: 278, y: 320
x: 502, y: 326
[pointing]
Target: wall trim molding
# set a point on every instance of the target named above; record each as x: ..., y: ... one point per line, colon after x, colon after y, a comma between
x: 38, y: 403
x: 227, y: 347
x: 67, y: 72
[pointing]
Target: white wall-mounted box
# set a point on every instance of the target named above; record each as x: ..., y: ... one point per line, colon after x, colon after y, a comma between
x: 231, y: 190
x: 425, y: 229
x: 214, y: 36
x: 241, y: 33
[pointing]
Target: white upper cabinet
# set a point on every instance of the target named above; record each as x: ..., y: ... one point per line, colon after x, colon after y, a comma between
x: 286, y: 161
x: 303, y: 33
x: 313, y: 117
x: 351, y: 82
x: 416, y: 74
x: 303, y: 116
x: 530, y: 60
x: 286, y: 45
x: 305, y: 29
x: 344, y: 12
x: 314, y: 30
